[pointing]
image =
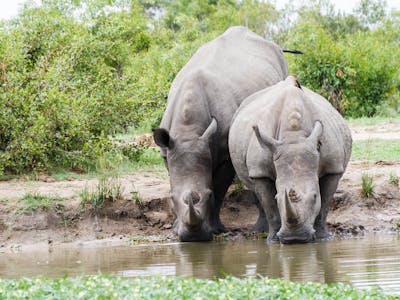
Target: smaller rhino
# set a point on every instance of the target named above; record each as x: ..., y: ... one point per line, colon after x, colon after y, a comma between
x: 290, y: 146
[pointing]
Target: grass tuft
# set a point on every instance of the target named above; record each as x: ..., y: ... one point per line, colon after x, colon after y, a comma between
x: 109, y: 189
x: 394, y: 179
x: 367, y: 185
x: 36, y: 201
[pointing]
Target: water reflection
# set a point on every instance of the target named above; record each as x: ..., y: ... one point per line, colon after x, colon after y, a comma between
x: 374, y: 260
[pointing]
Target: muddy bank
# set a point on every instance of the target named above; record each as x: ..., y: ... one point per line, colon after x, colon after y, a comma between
x: 149, y: 218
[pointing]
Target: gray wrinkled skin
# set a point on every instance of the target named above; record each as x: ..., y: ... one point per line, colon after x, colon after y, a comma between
x: 291, y: 147
x: 193, y: 135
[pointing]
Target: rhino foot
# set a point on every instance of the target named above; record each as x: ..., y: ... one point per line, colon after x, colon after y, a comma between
x: 217, y: 227
x: 272, y: 238
x: 260, y: 226
x: 323, y: 235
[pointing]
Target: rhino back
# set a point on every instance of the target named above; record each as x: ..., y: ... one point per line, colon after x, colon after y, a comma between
x: 267, y: 109
x: 225, y: 71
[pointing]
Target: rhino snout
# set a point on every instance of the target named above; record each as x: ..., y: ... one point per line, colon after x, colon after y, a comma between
x: 300, y: 235
x: 191, y: 224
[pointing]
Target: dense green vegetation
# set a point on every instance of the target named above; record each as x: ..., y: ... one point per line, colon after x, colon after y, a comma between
x: 74, y: 73
x: 105, y: 287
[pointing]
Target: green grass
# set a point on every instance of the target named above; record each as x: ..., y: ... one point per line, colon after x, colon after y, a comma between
x: 394, y: 179
x: 35, y: 201
x: 108, y: 189
x: 107, y: 287
x: 365, y: 121
x: 375, y: 150
x: 150, y: 160
x: 367, y: 185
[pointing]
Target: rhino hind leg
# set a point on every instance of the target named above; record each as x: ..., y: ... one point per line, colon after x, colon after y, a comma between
x: 327, y: 185
x: 222, y: 179
x: 266, y: 191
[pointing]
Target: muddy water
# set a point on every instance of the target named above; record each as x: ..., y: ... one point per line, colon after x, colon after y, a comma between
x: 363, y: 262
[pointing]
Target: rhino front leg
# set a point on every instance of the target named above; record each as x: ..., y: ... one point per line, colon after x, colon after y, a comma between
x: 266, y: 191
x: 327, y: 186
x: 262, y: 223
x: 222, y: 179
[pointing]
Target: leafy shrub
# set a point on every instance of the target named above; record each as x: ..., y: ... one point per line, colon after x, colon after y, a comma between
x: 355, y: 73
x: 63, y: 89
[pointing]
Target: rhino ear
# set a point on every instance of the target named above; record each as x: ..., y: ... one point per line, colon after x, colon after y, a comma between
x: 162, y: 138
x: 265, y: 141
x: 211, y: 129
x: 316, y: 133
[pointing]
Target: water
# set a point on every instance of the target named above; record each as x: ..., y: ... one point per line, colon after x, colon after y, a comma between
x: 363, y: 262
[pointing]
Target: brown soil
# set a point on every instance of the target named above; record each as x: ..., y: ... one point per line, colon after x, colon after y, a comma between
x: 151, y: 219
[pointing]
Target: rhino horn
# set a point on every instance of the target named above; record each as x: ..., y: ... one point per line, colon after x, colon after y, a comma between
x: 316, y: 132
x: 291, y: 214
x: 193, y: 216
x: 266, y: 141
x: 211, y: 129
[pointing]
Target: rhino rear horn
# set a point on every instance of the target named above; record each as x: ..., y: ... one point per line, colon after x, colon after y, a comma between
x: 266, y: 141
x: 162, y: 138
x: 211, y: 129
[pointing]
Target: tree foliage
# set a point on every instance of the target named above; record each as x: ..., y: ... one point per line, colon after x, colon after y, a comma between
x: 75, y: 72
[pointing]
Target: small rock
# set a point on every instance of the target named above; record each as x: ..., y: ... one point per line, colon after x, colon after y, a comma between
x: 167, y: 226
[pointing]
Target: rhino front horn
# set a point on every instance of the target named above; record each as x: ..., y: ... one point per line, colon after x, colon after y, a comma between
x: 194, y: 217
x: 291, y: 214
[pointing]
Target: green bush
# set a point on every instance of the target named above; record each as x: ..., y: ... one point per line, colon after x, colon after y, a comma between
x: 63, y: 88
x: 355, y: 73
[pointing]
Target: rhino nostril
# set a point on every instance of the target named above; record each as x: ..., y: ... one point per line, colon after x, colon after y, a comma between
x: 193, y: 196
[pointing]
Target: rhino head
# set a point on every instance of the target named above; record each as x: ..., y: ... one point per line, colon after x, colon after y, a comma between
x: 297, y: 184
x: 189, y: 163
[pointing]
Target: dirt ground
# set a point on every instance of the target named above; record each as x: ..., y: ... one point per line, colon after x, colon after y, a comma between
x: 150, y: 218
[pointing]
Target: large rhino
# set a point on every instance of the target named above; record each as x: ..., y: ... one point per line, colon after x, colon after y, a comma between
x: 291, y: 147
x: 193, y: 135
